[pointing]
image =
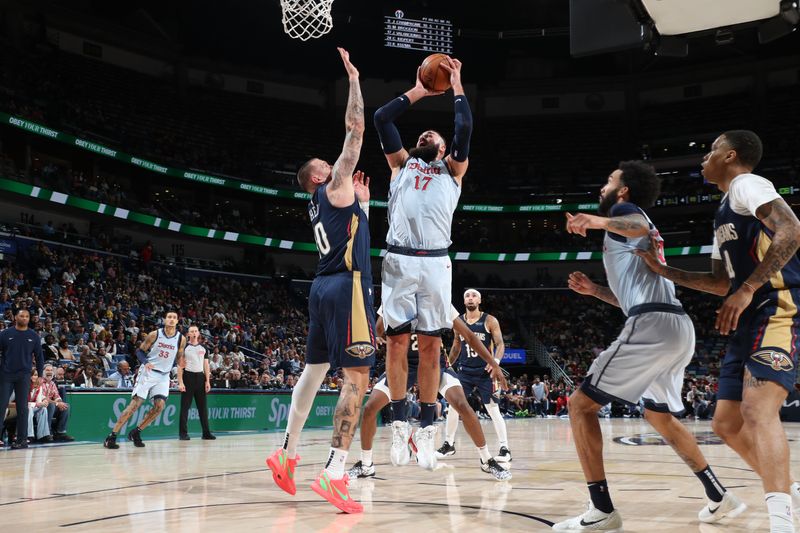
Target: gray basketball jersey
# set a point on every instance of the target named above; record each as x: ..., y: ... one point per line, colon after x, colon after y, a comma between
x: 629, y: 278
x: 163, y: 352
x: 422, y: 199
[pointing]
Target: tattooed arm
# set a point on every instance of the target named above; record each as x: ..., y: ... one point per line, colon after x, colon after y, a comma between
x: 340, y: 191
x: 716, y: 282
x: 633, y: 225
x: 780, y: 219
x: 580, y: 283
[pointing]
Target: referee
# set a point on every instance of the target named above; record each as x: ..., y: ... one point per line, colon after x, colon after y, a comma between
x: 193, y: 382
x: 18, y: 345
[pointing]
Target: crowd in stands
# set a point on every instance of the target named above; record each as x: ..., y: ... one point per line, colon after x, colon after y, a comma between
x: 92, y: 309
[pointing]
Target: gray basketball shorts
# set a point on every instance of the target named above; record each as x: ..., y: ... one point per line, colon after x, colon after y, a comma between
x: 646, y: 361
x: 416, y: 292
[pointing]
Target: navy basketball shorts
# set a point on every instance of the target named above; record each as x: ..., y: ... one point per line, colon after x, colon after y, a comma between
x: 341, y: 326
x: 483, y: 383
x: 766, y: 343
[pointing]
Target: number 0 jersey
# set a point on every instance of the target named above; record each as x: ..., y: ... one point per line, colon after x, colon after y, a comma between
x: 422, y: 199
x: 341, y: 234
x: 741, y: 240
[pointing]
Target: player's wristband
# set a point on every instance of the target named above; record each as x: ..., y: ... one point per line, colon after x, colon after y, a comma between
x: 364, y: 207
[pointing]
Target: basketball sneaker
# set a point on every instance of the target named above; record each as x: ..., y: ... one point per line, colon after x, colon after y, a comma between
x: 335, y: 491
x: 504, y: 456
x: 361, y: 470
x: 135, y: 436
x: 493, y: 467
x: 283, y: 470
x: 424, y: 440
x: 111, y: 442
x: 730, y: 506
x: 400, y: 453
x: 592, y: 520
x: 446, y: 450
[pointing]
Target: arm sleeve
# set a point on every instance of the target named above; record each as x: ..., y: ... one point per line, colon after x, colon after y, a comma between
x: 384, y: 122
x: 463, y: 129
x: 141, y: 356
x: 749, y: 192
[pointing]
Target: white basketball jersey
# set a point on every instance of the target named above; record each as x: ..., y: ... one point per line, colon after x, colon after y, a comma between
x: 422, y: 199
x: 163, y: 351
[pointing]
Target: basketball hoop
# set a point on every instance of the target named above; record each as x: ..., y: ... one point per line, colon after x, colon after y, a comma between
x: 307, y: 19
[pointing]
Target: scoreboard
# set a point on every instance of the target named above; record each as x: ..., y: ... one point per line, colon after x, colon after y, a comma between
x: 427, y: 34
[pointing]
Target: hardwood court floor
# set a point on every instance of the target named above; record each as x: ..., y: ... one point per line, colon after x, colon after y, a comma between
x: 223, y: 485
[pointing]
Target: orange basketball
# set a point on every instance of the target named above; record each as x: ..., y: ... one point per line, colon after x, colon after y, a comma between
x: 435, y: 77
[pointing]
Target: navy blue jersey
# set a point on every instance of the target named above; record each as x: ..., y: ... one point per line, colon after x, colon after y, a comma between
x: 341, y: 234
x: 743, y: 241
x: 468, y: 359
x: 413, y: 354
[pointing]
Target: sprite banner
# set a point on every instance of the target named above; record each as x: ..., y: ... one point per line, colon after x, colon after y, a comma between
x: 25, y: 189
x: 230, y: 183
x: 94, y: 413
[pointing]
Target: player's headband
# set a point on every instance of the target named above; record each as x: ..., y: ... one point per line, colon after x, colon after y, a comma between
x: 472, y: 290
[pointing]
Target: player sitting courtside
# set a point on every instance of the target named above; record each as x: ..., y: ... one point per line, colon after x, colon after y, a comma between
x: 449, y: 387
x: 157, y: 354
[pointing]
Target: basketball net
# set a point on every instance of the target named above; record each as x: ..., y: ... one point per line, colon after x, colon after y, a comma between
x: 307, y: 19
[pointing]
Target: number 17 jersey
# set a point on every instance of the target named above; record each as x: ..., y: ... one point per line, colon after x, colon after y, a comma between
x: 422, y: 199
x: 341, y: 234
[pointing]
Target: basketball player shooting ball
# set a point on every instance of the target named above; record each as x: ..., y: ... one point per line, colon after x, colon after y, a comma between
x: 417, y: 273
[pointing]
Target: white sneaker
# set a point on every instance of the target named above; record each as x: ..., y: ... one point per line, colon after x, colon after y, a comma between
x: 592, y: 520
x: 795, y: 492
x: 360, y: 470
x: 424, y: 440
x: 730, y: 506
x: 400, y: 453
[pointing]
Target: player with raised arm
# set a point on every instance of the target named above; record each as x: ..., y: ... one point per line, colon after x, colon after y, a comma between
x: 649, y: 357
x: 754, y: 263
x: 417, y: 272
x: 158, y: 353
x: 341, y: 329
x: 473, y: 373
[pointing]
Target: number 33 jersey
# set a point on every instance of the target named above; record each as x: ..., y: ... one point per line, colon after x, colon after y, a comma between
x: 163, y: 351
x: 341, y: 234
x: 422, y: 199
x: 741, y: 240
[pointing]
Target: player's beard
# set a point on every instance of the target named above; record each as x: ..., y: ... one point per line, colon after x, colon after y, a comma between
x: 607, y: 202
x: 427, y: 152
x: 471, y: 307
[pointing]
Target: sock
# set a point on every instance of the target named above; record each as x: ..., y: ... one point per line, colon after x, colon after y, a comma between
x: 499, y: 424
x: 366, y: 457
x: 779, y: 506
x: 336, y: 462
x: 483, y: 451
x: 451, y: 426
x: 427, y: 413
x: 601, y: 498
x: 399, y: 410
x: 714, y: 489
x: 113, y: 433
x: 302, y: 398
